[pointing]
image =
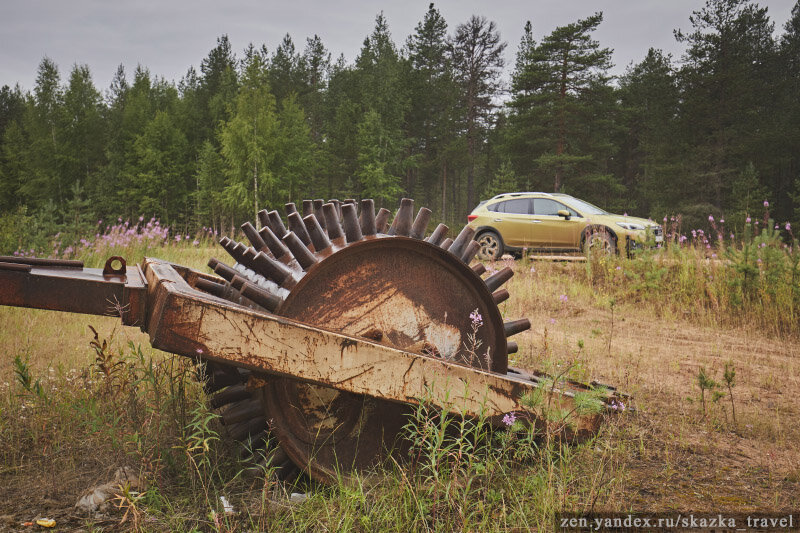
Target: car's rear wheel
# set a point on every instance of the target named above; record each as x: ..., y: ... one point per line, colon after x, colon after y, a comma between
x: 599, y: 242
x: 491, y: 246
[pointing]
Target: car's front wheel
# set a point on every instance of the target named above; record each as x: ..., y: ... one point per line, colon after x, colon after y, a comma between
x: 491, y: 246
x: 599, y: 242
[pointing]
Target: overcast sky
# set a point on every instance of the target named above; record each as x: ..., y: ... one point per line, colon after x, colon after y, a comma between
x: 168, y: 36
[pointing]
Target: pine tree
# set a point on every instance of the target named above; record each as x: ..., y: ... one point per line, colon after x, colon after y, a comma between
x: 434, y: 93
x: 650, y: 149
x: 560, y: 88
x: 285, y: 70
x: 295, y: 151
x: 162, y: 181
x: 84, y: 135
x: 477, y: 55
x: 248, y: 140
x: 727, y: 65
x: 375, y: 154
x: 42, y: 179
x: 210, y: 178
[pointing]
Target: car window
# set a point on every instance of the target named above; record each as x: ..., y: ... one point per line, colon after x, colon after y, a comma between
x: 521, y: 206
x: 546, y: 206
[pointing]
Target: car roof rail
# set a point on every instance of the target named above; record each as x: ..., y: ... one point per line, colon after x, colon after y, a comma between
x: 513, y: 194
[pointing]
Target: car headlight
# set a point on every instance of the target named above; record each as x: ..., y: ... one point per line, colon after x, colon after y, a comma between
x: 630, y: 226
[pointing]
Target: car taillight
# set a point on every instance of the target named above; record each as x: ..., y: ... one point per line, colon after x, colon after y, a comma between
x: 470, y: 218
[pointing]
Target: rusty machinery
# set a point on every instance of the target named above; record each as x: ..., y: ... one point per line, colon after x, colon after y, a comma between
x: 323, y: 332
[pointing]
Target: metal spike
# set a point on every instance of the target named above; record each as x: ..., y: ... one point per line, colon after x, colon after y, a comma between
x: 317, y: 234
x: 308, y: 207
x: 446, y: 244
x: 332, y: 223
x: 352, y: 231
x: 368, y: 217
x: 500, y: 296
x: 496, y: 280
x: 438, y: 235
x: 243, y: 411
x: 264, y: 298
x: 237, y: 282
x: 338, y: 205
x: 234, y: 393
x: 462, y: 241
x: 318, y: 213
x: 279, y: 251
x: 263, y: 218
x: 469, y: 253
x: 248, y: 257
x: 241, y: 430
x: 513, y: 327
x: 420, y: 226
x: 290, y: 208
x: 512, y: 347
x: 252, y: 235
x: 211, y: 287
x: 224, y: 271
x: 297, y: 227
x: 235, y: 250
x: 479, y: 268
x: 401, y: 224
x: 382, y: 220
x: 272, y: 269
x: 299, y: 250
x: 276, y: 224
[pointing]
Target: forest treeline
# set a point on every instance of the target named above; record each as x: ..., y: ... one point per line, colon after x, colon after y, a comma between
x: 715, y: 131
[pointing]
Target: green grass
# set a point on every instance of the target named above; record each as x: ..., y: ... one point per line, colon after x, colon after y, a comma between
x: 646, y: 324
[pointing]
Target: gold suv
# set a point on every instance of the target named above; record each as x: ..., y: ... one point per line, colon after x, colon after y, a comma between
x: 555, y: 222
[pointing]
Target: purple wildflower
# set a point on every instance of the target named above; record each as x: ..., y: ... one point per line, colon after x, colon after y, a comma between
x: 766, y: 203
x: 509, y: 419
x: 476, y: 319
x: 711, y: 218
x: 563, y: 298
x: 747, y: 220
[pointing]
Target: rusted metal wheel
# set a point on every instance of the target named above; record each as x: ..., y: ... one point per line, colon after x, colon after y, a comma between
x: 355, y: 274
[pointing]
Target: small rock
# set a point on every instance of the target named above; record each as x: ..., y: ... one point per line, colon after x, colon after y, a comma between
x: 297, y: 497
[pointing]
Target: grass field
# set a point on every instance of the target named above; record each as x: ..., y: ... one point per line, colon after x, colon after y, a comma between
x: 649, y: 325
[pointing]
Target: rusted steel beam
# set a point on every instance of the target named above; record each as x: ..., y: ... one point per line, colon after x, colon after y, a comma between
x: 66, y: 286
x: 186, y: 322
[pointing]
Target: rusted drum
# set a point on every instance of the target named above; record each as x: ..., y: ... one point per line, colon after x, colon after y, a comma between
x: 399, y: 291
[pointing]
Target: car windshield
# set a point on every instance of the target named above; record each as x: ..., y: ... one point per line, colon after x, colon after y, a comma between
x: 585, y: 207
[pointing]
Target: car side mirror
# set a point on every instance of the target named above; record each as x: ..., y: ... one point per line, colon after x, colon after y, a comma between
x: 563, y: 213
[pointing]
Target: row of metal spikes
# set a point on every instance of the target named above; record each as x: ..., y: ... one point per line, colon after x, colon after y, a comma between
x: 278, y: 257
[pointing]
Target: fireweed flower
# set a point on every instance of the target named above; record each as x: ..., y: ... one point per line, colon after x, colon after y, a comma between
x: 711, y: 218
x: 766, y: 203
x: 476, y: 319
x: 509, y: 419
x: 563, y: 298
x: 788, y: 227
x: 747, y: 220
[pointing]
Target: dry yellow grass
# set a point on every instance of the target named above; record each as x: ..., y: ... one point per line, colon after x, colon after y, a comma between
x: 665, y: 455
x: 672, y: 456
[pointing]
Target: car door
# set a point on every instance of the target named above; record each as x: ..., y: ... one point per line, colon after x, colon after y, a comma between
x: 512, y: 218
x: 550, y: 230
